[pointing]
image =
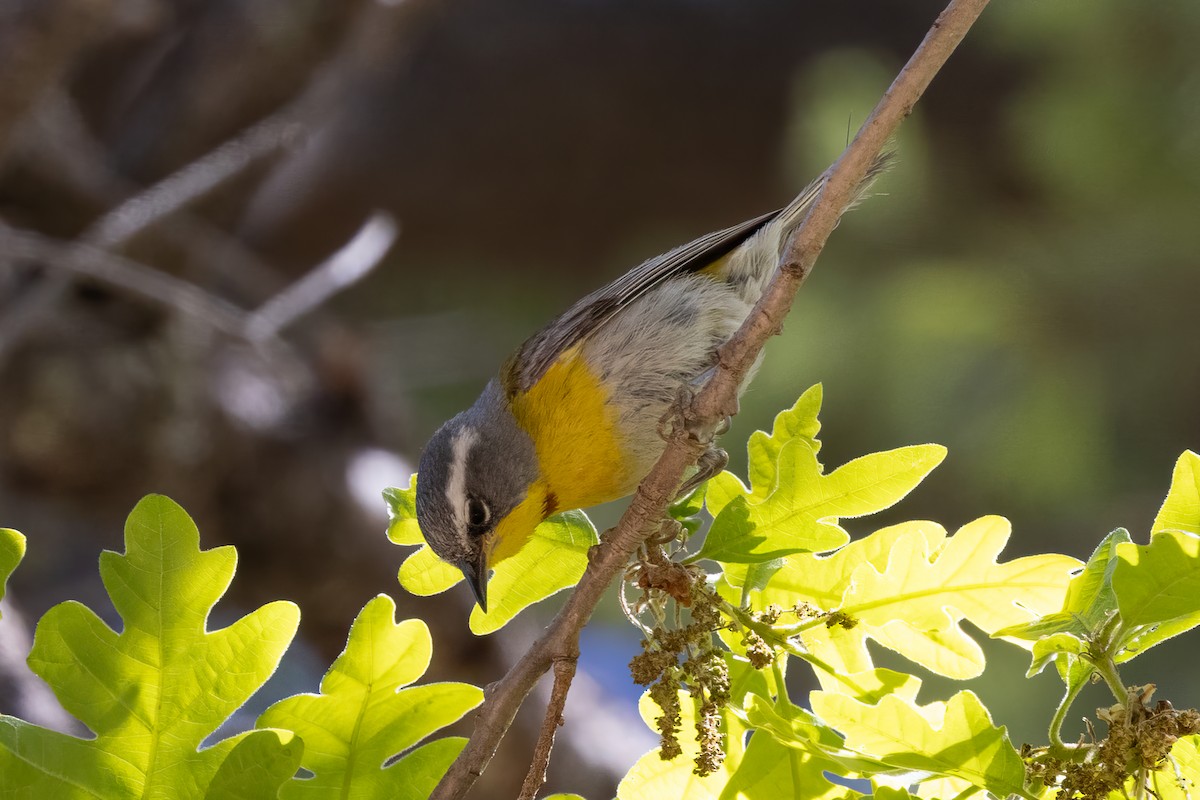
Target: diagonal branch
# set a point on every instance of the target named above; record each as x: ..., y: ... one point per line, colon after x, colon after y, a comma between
x: 715, y: 400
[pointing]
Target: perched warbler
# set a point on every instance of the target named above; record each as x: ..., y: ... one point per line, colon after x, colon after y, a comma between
x: 572, y: 419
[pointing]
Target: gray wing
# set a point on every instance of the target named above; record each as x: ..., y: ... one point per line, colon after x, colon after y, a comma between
x: 544, y: 347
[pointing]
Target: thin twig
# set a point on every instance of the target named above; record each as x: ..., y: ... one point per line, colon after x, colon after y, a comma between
x: 713, y: 402
x: 137, y: 279
x: 350, y: 264
x: 564, y: 673
x: 145, y: 208
x: 188, y: 184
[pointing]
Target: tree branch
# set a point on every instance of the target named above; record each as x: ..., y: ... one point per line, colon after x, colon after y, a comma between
x: 716, y: 399
x: 564, y: 673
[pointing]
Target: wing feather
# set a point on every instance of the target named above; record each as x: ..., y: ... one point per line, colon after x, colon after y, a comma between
x: 541, y: 350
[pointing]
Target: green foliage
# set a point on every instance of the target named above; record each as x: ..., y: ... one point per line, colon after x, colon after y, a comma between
x: 364, y: 716
x: 792, y: 507
x: 789, y: 585
x: 553, y: 559
x: 153, y: 692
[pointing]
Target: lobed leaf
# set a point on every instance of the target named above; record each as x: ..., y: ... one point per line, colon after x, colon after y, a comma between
x: 955, y: 739
x: 796, y: 423
x: 1181, y: 510
x: 155, y: 691
x: 364, y: 716
x: 769, y: 770
x: 909, y: 586
x: 800, y: 514
x: 1157, y: 588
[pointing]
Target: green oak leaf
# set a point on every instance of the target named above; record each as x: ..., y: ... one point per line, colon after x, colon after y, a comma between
x: 553, y: 559
x: 770, y: 770
x: 155, y: 691
x: 12, y: 550
x: 955, y: 739
x: 798, y: 422
x: 1178, y: 776
x: 364, y: 715
x: 1181, y: 510
x: 1158, y: 589
x: 1089, y: 605
x: 801, y: 513
x: 908, y: 586
x: 257, y: 766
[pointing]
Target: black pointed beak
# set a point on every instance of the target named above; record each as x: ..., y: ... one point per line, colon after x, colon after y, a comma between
x: 476, y: 574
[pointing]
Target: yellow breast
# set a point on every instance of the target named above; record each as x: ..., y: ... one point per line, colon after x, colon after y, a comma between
x: 575, y: 433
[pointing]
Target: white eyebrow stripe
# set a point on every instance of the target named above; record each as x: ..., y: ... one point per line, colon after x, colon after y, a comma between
x: 456, y: 486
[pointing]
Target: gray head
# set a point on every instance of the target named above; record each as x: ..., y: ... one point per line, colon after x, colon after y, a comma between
x: 475, y: 470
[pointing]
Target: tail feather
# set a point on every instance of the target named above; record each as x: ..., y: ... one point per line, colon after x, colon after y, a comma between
x: 793, y: 214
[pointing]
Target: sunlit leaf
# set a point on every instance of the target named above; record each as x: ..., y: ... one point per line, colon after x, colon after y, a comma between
x: 364, y: 715
x: 771, y: 771
x: 1158, y: 588
x: 1181, y: 510
x: 12, y: 550
x: 909, y: 586
x: 424, y: 574
x: 553, y: 559
x: 403, y: 528
x: 153, y: 692
x: 798, y: 422
x: 256, y: 767
x: 956, y: 739
x: 1177, y: 778
x: 801, y: 513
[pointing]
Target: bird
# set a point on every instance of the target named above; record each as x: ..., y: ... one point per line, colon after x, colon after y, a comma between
x: 572, y: 418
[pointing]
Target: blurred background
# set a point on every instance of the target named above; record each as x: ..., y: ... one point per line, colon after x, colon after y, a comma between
x: 202, y: 292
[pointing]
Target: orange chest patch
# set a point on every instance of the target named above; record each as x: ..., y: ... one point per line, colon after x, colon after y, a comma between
x: 574, y: 430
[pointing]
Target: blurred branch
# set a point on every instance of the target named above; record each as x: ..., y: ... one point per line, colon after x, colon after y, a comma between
x: 193, y: 181
x: 344, y: 268
x: 136, y: 279
x: 136, y: 213
x: 716, y: 399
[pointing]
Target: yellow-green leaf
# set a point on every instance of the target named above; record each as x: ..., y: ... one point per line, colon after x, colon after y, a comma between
x: 153, y: 692
x: 954, y: 739
x: 1181, y: 510
x: 553, y: 559
x: 801, y: 512
x: 402, y: 514
x: 1158, y: 588
x: 367, y: 713
x: 424, y: 574
x: 798, y: 422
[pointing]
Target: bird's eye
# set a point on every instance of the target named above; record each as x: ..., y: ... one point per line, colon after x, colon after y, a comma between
x: 478, y: 512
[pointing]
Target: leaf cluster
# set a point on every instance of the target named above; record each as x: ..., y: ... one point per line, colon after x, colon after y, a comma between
x: 156, y: 692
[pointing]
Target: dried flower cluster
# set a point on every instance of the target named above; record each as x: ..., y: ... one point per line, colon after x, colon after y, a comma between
x: 688, y: 657
x: 1139, y: 741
